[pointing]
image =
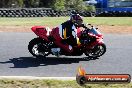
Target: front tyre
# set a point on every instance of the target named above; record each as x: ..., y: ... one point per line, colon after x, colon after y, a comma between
x: 38, y: 47
x: 97, y: 51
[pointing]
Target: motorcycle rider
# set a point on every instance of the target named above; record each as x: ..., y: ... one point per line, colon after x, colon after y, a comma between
x: 68, y: 30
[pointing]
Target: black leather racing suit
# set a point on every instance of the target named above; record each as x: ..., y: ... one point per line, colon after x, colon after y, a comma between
x: 68, y: 32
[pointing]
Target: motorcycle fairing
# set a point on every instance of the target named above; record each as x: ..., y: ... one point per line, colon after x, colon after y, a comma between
x: 40, y: 31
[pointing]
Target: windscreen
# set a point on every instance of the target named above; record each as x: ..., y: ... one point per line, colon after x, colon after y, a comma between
x: 94, y: 31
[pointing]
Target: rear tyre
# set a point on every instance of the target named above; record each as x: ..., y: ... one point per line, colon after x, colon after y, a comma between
x: 38, y: 47
x: 97, y: 51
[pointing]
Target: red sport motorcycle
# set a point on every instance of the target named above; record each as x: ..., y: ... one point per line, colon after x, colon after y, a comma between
x: 48, y: 42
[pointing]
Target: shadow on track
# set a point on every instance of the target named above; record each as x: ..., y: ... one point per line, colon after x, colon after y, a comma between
x: 25, y: 62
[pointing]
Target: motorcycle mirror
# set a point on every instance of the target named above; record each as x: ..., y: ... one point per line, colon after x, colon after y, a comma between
x: 88, y: 24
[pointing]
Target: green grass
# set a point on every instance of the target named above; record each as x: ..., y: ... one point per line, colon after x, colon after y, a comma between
x: 55, y: 84
x: 55, y: 21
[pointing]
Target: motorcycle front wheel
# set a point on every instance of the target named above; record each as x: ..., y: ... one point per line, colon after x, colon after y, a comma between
x: 97, y: 51
x: 38, y: 47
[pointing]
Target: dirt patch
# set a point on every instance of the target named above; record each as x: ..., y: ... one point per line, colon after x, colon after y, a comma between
x: 103, y: 28
x: 116, y: 29
x: 15, y: 28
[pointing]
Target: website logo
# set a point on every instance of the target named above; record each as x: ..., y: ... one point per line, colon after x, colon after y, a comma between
x: 83, y: 78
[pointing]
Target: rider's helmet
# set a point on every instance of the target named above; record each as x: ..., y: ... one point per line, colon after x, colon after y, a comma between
x: 76, y: 19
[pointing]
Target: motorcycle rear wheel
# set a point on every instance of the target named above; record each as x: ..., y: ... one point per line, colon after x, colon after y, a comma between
x: 97, y: 51
x: 38, y: 47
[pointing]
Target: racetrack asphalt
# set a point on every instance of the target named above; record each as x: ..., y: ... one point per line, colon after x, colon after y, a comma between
x: 15, y: 60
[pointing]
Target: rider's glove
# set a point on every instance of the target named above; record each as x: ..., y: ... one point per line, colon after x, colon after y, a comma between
x: 84, y: 26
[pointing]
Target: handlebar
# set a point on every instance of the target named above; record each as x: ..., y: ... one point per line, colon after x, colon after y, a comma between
x: 90, y: 26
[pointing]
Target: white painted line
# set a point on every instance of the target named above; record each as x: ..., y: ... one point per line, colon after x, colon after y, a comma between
x: 40, y: 78
x: 37, y: 78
